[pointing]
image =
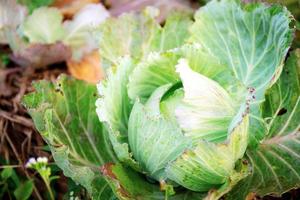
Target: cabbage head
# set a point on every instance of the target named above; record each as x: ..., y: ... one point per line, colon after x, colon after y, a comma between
x: 201, y: 107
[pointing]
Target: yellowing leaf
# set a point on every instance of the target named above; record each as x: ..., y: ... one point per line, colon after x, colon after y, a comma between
x: 44, y: 26
x: 87, y: 69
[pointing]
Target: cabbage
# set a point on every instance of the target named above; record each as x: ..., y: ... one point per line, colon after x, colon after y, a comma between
x: 198, y: 109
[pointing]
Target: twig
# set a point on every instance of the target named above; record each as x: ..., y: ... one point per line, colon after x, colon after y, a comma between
x: 19, y: 166
x: 16, y: 118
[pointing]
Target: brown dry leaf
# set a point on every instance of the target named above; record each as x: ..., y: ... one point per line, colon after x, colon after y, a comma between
x: 41, y: 55
x: 70, y: 7
x: 87, y: 69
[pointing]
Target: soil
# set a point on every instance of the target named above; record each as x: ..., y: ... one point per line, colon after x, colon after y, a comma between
x: 19, y: 140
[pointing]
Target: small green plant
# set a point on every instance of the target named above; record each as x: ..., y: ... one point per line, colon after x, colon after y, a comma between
x: 12, y: 185
x: 40, y: 165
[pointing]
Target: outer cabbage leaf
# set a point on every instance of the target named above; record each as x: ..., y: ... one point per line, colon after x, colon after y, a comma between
x: 129, y: 185
x: 79, y: 31
x: 252, y: 40
x: 114, y: 108
x: 64, y: 113
x: 44, y: 26
x: 277, y: 158
x: 137, y: 35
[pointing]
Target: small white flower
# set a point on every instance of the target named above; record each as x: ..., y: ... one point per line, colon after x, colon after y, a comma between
x: 45, y: 159
x: 42, y: 160
x: 30, y: 162
x: 39, y: 159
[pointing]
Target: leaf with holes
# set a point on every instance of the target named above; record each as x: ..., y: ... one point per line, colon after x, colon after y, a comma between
x: 64, y: 113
